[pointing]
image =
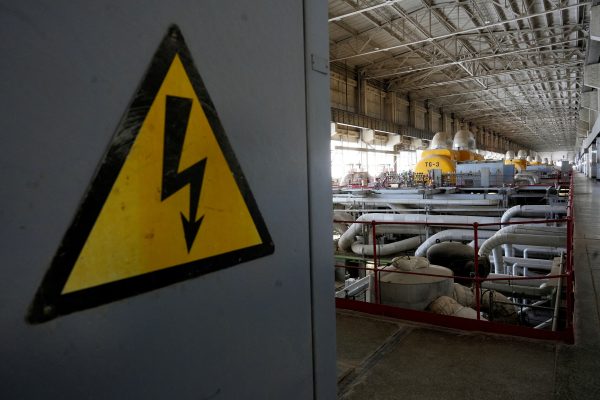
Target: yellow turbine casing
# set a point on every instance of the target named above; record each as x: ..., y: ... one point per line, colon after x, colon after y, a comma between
x: 467, y: 155
x: 520, y: 165
x: 435, y: 161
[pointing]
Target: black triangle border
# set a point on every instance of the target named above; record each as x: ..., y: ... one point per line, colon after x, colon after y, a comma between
x: 48, y: 302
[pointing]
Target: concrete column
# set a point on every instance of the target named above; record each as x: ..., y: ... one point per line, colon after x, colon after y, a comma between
x: 478, y: 137
x: 417, y: 115
x: 402, y: 110
x: 390, y: 109
x: 591, y: 75
x: 361, y: 98
x: 433, y: 119
x: 595, y: 23
x: 446, y: 122
x: 455, y: 124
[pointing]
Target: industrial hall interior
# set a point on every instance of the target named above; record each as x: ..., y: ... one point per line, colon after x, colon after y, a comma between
x: 351, y: 199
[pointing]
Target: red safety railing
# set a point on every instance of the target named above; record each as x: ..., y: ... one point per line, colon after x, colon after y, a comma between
x: 564, y: 332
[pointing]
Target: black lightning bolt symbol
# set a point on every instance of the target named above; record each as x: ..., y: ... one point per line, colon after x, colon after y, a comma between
x: 176, y: 121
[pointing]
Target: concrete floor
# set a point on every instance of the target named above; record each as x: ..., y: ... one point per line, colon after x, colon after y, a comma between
x: 381, y: 358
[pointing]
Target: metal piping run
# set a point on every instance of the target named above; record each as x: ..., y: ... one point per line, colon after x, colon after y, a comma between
x: 534, y: 178
x: 554, y: 251
x: 531, y: 229
x: 513, y: 238
x: 520, y: 177
x: 387, y: 249
x: 530, y: 262
x: 416, y: 202
x: 529, y: 210
x: 450, y: 235
x: 346, y: 240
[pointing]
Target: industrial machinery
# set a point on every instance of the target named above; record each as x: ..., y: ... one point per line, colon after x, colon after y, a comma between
x: 519, y: 162
x: 440, y: 155
x: 444, y: 153
x: 356, y: 177
x: 417, y: 227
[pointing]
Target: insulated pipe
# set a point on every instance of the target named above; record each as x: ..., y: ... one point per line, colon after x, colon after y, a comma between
x: 513, y: 238
x: 346, y: 240
x: 525, y: 174
x: 386, y: 249
x: 402, y: 229
x: 449, y: 235
x: 498, y: 260
x: 529, y: 210
x: 523, y: 230
x: 554, y: 251
x: 415, y: 202
x: 527, y: 178
x: 530, y: 262
x: 444, y: 202
x: 531, y: 229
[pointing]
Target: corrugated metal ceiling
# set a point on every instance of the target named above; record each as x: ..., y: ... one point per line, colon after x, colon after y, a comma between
x: 512, y: 66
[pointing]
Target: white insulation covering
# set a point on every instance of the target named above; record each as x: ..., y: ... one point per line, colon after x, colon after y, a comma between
x: 346, y: 240
x: 451, y: 235
x: 388, y: 248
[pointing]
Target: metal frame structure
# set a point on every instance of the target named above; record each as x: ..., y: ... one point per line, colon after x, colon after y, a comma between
x: 513, y: 67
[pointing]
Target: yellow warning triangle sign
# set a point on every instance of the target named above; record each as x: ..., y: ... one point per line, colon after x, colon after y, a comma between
x: 168, y: 203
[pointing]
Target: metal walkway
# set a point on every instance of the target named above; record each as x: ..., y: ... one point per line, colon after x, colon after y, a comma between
x: 381, y: 358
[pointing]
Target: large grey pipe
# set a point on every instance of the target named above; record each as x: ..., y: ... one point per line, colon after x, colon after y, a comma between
x: 530, y: 176
x: 346, y: 240
x: 415, y: 202
x: 532, y: 210
x: 387, y: 249
x: 529, y: 210
x: 555, y: 240
x: 449, y: 235
x: 550, y: 251
x: 530, y: 229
